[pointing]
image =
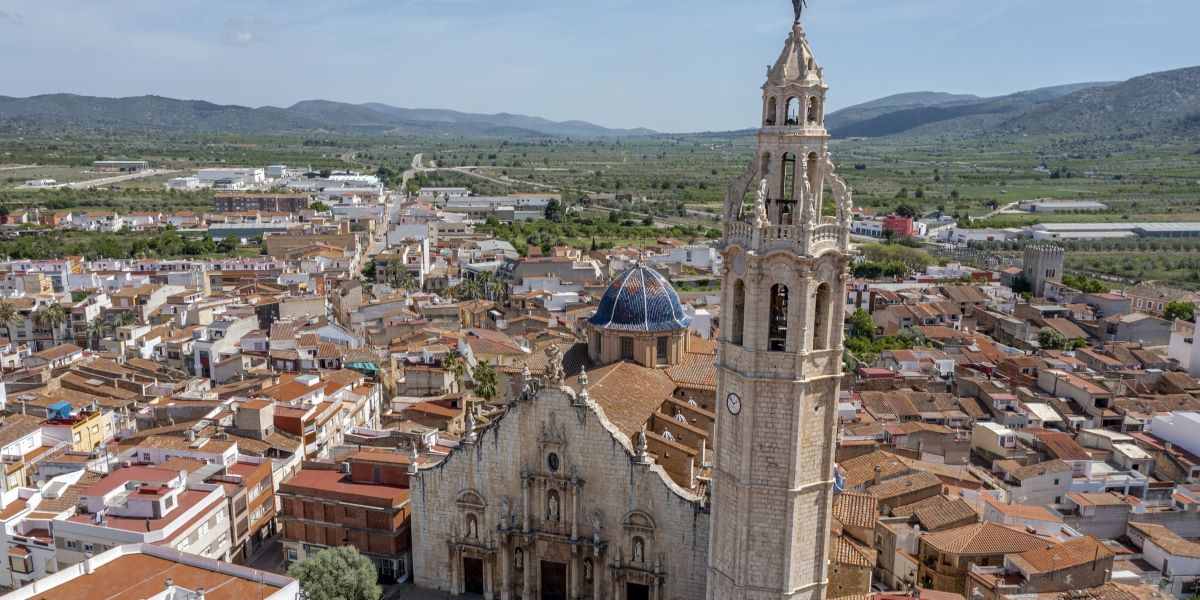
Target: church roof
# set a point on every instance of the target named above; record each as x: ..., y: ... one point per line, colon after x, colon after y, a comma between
x: 640, y: 299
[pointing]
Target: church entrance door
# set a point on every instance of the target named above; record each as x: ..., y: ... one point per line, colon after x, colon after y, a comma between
x: 472, y: 575
x: 554, y: 581
x: 637, y: 591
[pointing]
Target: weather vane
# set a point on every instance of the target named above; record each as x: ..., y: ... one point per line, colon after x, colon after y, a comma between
x: 799, y: 6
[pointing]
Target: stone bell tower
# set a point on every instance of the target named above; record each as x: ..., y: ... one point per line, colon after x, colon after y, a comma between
x: 786, y: 260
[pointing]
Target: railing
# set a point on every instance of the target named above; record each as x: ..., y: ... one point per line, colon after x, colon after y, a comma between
x: 787, y: 237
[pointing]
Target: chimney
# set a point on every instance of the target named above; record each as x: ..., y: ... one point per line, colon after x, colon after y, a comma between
x: 878, y: 474
x: 191, y: 435
x: 1169, y: 446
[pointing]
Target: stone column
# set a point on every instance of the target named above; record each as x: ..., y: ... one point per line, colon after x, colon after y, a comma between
x: 505, y: 577
x: 488, y: 593
x: 525, y: 503
x: 795, y: 316
x: 573, y: 579
x: 527, y: 574
x: 456, y: 582
x: 574, y: 511
x: 596, y: 563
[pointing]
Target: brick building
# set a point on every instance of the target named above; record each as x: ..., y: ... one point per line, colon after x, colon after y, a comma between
x: 290, y: 203
x: 363, y: 502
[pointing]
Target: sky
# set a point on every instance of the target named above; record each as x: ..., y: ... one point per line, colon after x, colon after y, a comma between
x: 670, y: 65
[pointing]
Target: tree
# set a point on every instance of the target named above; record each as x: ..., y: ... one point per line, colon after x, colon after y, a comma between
x: 1084, y: 284
x: 554, y: 212
x: 98, y: 329
x: 467, y: 289
x: 456, y: 366
x: 1050, y: 339
x: 1179, y: 310
x: 9, y: 315
x: 906, y: 210
x: 862, y: 324
x: 485, y: 380
x: 319, y: 206
x: 338, y: 573
x: 50, y: 316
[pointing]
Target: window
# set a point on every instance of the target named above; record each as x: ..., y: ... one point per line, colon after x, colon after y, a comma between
x: 71, y: 545
x: 1055, y: 482
x: 20, y: 564
x: 78, y: 437
x: 552, y: 462
x: 169, y: 502
x: 88, y: 549
x: 203, y: 528
x: 737, y: 323
x: 626, y: 348
x: 662, y: 349
x: 95, y: 429
x: 777, y: 333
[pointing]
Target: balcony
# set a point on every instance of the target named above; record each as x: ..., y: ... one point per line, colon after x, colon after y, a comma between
x: 794, y: 238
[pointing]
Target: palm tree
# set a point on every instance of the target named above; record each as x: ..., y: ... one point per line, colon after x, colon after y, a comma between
x: 403, y: 279
x: 456, y: 365
x: 485, y: 380
x: 98, y: 329
x: 9, y: 315
x: 50, y: 316
x: 126, y: 318
x: 468, y: 289
x: 492, y: 287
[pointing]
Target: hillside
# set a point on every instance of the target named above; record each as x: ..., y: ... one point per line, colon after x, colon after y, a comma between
x: 1166, y: 102
x: 68, y: 111
x: 942, y: 113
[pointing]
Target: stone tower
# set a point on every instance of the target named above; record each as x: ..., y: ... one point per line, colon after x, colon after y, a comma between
x: 1042, y: 263
x: 786, y: 252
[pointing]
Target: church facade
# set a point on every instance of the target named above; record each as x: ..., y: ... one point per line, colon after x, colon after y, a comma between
x: 553, y: 501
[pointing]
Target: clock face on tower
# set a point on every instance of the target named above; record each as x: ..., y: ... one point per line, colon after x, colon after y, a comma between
x: 734, y: 403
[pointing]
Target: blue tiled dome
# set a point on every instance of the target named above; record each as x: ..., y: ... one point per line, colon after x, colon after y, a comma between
x: 640, y: 299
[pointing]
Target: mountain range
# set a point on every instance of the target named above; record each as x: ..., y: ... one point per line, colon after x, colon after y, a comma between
x: 1158, y: 104
x: 1167, y: 103
x: 168, y: 114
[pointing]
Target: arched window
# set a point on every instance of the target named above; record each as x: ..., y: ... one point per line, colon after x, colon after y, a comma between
x: 553, y: 508
x: 772, y: 111
x: 787, y: 183
x: 793, y: 112
x: 737, y: 322
x: 777, y: 332
x: 766, y: 166
x: 814, y: 111
x: 821, y: 306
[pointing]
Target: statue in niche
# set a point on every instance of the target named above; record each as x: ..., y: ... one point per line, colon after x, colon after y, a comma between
x: 587, y: 569
x: 472, y: 527
x: 519, y: 558
x: 639, y: 550
x: 552, y: 509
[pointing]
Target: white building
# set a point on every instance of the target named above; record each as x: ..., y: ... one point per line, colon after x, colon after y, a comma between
x: 183, y: 183
x: 244, y: 177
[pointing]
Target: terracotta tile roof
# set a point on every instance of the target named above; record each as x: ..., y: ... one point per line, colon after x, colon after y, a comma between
x: 1061, y: 445
x: 70, y: 496
x: 1168, y: 540
x: 1079, y: 551
x: 861, y: 469
x: 909, y: 510
x: 18, y: 426
x: 282, y: 331
x: 983, y: 539
x: 57, y: 352
x: 1023, y: 511
x: 849, y: 552
x: 904, y: 485
x: 696, y: 370
x: 936, y: 518
x: 856, y: 510
x: 1045, y: 468
x: 629, y: 393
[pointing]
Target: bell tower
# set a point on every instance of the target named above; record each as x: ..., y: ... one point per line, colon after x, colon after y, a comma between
x: 786, y: 256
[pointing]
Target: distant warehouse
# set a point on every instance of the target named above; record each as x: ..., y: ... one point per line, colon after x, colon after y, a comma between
x: 244, y: 202
x: 1095, y: 231
x: 1053, y: 206
x: 121, y: 166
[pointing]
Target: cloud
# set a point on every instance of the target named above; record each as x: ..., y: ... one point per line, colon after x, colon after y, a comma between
x: 240, y: 38
x: 11, y: 17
